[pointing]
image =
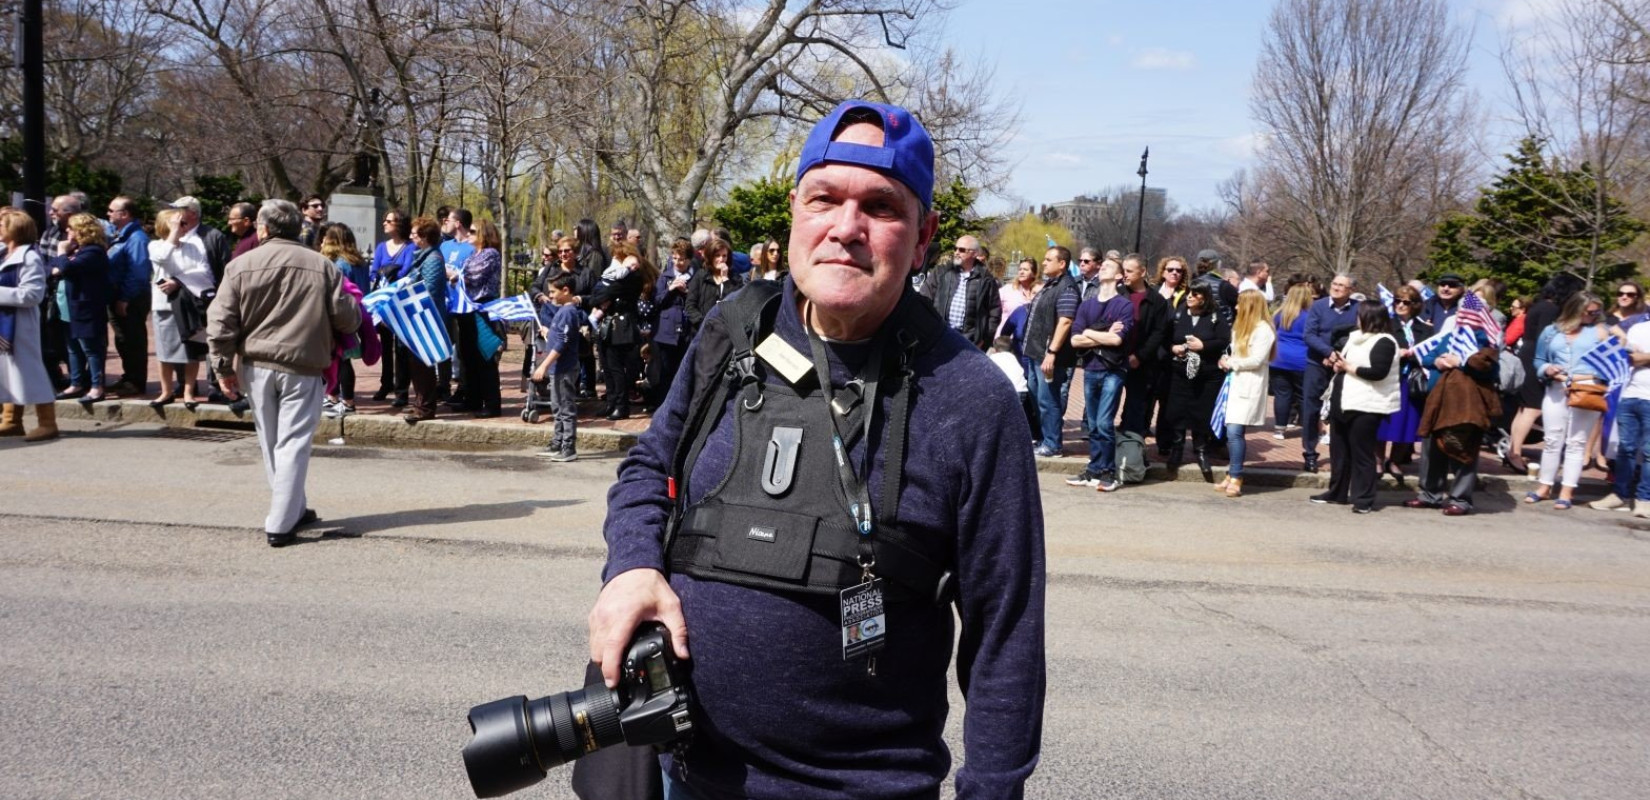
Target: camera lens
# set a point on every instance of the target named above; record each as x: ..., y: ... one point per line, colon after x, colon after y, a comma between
x: 517, y: 740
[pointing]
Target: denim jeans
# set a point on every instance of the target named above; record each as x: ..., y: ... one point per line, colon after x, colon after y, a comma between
x: 1235, y: 447
x: 1051, y: 413
x: 1102, y: 391
x: 1288, y: 391
x: 86, y: 355
x: 1633, y: 439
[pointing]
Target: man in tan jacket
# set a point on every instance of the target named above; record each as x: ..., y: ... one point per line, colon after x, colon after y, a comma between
x: 278, y: 311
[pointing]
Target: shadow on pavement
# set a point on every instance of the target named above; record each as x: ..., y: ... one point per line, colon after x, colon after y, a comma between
x: 356, y: 527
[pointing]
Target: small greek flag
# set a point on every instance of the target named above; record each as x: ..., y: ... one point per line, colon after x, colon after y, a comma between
x: 1426, y: 293
x: 511, y: 309
x: 1386, y: 296
x: 1217, y: 420
x: 458, y: 299
x: 1609, y: 363
x: 1459, y: 341
x: 413, y: 317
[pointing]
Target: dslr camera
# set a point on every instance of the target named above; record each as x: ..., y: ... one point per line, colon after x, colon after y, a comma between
x: 516, y: 740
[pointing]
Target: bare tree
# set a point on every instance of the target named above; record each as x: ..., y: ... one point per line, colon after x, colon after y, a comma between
x: 1362, y: 105
x: 1581, y: 82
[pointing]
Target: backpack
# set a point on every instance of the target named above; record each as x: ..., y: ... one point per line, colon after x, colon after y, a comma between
x: 1131, y: 457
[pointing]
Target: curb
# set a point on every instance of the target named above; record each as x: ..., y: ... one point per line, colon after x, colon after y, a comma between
x: 1272, y: 477
x: 366, y: 429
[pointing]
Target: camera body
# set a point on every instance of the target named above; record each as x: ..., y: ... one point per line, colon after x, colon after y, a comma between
x: 518, y: 740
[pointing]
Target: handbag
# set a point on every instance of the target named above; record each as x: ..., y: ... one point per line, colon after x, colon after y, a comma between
x: 1588, y: 395
x: 1416, y: 382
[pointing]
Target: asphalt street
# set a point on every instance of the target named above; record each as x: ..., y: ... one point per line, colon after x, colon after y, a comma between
x: 152, y: 646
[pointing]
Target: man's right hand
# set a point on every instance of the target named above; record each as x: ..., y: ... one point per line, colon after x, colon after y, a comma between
x: 631, y: 598
x: 1048, y: 366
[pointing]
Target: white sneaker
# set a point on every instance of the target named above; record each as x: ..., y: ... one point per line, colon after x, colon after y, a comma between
x: 1278, y: 434
x: 1643, y: 511
x: 1610, y: 502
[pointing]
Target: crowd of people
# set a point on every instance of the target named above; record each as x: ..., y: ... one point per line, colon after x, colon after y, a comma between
x: 1159, y: 347
x: 1192, y: 350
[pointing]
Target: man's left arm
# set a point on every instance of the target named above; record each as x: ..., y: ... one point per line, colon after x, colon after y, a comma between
x: 223, y: 331
x: 991, y: 298
x: 342, y: 308
x: 1001, y: 578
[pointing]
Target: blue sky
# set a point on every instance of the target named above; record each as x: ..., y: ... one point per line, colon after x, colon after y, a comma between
x: 1099, y: 80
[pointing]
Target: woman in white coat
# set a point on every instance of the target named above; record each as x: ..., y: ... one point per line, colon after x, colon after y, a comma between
x: 23, y: 378
x: 1254, y: 345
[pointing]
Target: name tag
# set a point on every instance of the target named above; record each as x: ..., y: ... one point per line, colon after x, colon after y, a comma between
x: 784, y: 358
x: 864, y: 619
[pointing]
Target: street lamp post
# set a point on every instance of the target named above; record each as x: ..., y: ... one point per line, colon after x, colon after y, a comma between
x: 1140, y: 215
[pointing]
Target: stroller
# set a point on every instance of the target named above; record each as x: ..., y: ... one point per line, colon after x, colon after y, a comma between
x: 536, y: 404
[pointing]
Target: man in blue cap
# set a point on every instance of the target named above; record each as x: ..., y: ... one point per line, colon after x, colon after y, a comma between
x: 813, y: 539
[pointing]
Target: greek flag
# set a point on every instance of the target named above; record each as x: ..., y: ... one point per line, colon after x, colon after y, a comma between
x: 511, y: 309
x: 458, y: 300
x: 1609, y: 363
x: 374, y: 300
x: 1217, y: 420
x: 412, y: 315
x: 1386, y: 296
x: 1427, y: 293
x: 1459, y: 341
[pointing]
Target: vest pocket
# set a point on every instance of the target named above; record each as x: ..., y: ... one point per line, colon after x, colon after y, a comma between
x: 765, y: 542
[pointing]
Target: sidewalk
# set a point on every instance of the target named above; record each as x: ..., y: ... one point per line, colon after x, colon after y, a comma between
x: 1270, y: 462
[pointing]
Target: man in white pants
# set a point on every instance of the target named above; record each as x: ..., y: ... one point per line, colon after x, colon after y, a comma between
x: 278, y: 310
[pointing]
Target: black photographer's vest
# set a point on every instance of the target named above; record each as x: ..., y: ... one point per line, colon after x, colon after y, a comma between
x: 780, y: 519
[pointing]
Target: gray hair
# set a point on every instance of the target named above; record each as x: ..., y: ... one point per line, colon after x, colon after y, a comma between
x: 71, y: 199
x: 1351, y: 280
x: 280, y: 219
x: 700, y: 238
x: 1089, y: 253
x: 556, y: 235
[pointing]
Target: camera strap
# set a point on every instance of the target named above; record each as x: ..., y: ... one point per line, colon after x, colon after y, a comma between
x: 864, y: 623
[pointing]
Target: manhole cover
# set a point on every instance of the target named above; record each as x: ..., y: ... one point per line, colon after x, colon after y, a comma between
x: 202, y: 435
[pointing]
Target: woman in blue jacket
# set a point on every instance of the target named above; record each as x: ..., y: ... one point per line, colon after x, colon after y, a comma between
x: 82, y: 262
x: 1558, y: 353
x: 1288, y: 369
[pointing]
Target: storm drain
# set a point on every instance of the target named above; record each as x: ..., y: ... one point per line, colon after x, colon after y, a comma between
x: 210, y: 435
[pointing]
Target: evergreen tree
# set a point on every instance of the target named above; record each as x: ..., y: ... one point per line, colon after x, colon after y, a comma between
x: 1533, y: 221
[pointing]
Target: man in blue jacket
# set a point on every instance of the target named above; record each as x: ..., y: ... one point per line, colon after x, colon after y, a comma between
x: 795, y: 704
x: 1323, y: 319
x: 129, y: 306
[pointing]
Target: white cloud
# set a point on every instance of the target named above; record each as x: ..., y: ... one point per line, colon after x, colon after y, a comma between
x: 1064, y: 159
x: 1243, y: 147
x: 1525, y: 13
x: 1162, y: 58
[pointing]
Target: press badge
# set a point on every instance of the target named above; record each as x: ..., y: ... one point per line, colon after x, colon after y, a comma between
x: 783, y: 357
x: 864, y: 620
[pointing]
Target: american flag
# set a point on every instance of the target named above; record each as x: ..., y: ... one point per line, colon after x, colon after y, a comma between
x: 1609, y: 363
x: 1474, y: 314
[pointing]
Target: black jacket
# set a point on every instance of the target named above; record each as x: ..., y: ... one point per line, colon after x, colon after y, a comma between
x: 983, y: 310
x: 1210, y: 328
x: 1043, y: 318
x: 1151, y: 329
x: 703, y: 294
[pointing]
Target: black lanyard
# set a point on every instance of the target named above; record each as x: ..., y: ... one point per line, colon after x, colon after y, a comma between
x: 853, y: 482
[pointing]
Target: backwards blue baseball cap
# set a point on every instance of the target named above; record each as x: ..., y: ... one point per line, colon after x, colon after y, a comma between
x: 906, y: 154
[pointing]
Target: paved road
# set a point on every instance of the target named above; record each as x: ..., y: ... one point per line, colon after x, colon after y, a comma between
x: 153, y: 647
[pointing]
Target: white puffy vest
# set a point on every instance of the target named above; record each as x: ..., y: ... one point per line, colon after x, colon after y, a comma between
x: 1357, y: 394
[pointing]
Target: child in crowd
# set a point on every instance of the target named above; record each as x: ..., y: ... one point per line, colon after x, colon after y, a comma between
x: 1003, y: 355
x: 558, y: 372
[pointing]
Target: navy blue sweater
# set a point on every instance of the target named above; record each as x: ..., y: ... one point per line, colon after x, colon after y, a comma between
x: 784, y: 715
x: 1322, y: 321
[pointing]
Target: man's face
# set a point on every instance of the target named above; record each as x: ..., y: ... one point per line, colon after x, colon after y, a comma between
x: 119, y: 216
x: 856, y: 236
x: 455, y: 226
x: 316, y: 210
x: 60, y: 212
x: 447, y: 225
x: 1087, y: 265
x: 1340, y: 288
x: 1450, y: 290
x: 1134, y: 273
x: 1263, y: 276
x: 967, y: 250
x: 634, y: 238
x: 1052, y: 263
x: 1108, y: 271
x: 238, y: 224
x: 616, y: 235
x: 189, y: 219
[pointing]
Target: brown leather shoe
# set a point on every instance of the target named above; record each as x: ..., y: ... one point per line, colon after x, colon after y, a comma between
x: 1416, y: 502
x: 1453, y: 510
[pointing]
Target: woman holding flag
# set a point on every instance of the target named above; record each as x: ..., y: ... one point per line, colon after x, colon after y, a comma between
x: 1399, y: 428
x: 1559, y: 354
x: 1253, y: 348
